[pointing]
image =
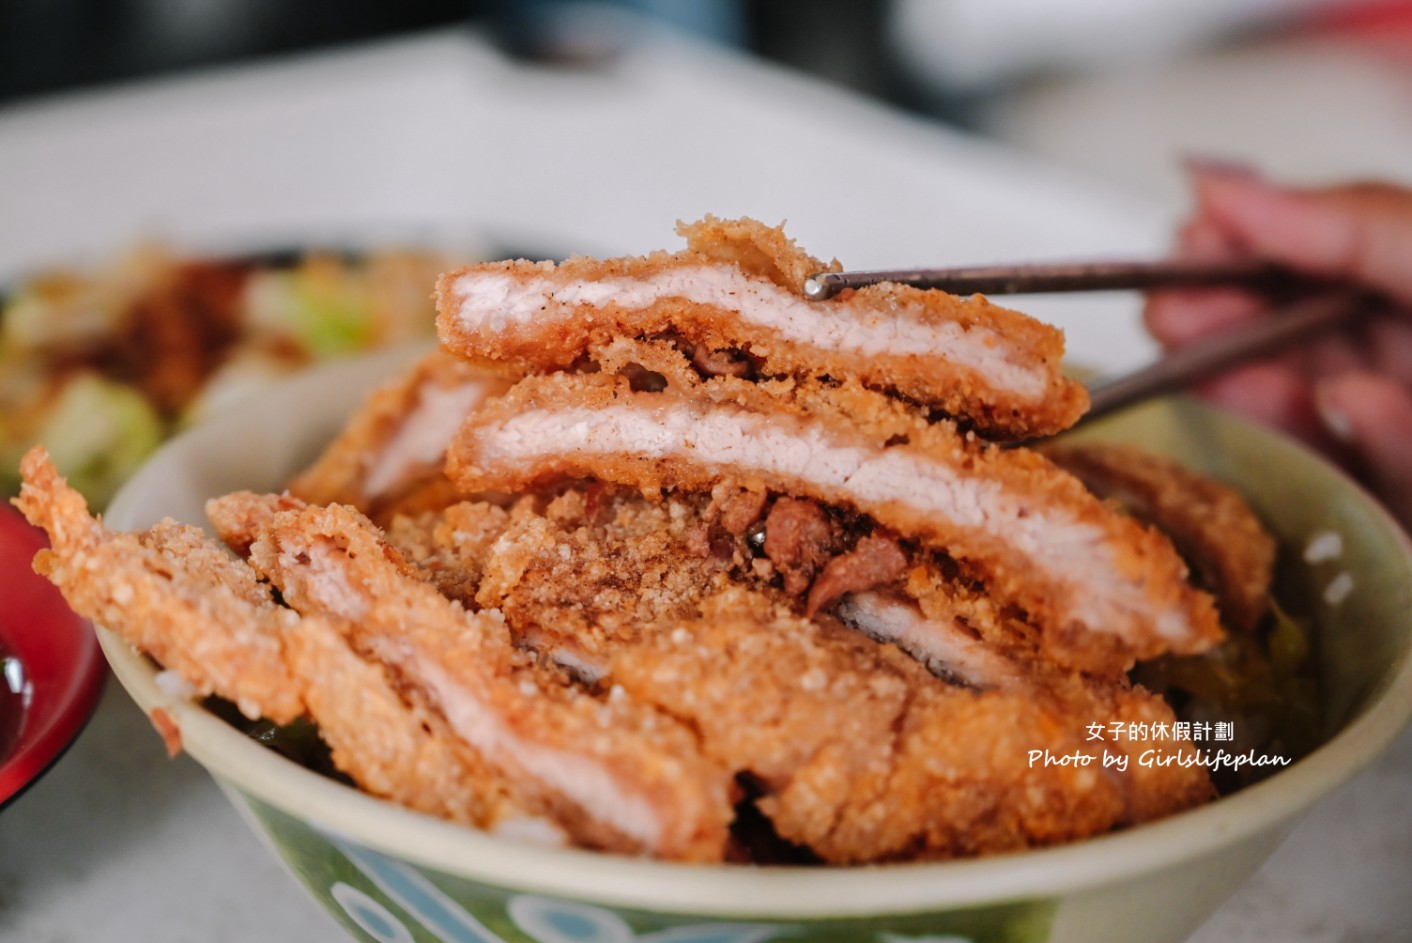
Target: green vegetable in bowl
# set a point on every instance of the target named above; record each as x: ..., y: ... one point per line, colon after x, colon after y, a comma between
x: 324, y: 312
x: 101, y: 365
x: 98, y: 432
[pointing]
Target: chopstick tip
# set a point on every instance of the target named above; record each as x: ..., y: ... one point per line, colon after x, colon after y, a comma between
x: 822, y: 286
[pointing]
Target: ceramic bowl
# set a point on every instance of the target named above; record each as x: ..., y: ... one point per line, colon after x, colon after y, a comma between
x: 51, y: 670
x: 388, y: 874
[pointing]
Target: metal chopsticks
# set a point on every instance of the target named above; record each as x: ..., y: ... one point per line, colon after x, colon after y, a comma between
x: 1180, y: 368
x: 1053, y: 277
x: 1305, y: 317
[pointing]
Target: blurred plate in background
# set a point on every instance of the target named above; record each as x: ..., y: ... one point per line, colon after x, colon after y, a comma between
x: 102, y: 363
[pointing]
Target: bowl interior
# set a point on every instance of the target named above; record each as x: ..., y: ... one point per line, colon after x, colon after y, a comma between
x: 1359, y: 601
x: 52, y: 669
x: 1364, y: 639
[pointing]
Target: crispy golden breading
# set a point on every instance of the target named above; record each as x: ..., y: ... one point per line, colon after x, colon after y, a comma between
x: 590, y: 569
x: 1103, y: 589
x: 449, y: 546
x: 1210, y: 524
x: 977, y: 748
x: 237, y: 517
x: 862, y: 755
x: 733, y: 300
x: 613, y: 774
x: 391, y: 746
x: 172, y: 592
x: 720, y: 574
x: 579, y: 579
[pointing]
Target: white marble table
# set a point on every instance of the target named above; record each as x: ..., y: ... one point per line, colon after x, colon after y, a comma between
x: 437, y: 138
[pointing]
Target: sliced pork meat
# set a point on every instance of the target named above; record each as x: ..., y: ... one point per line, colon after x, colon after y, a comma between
x: 946, y: 644
x: 613, y: 774
x: 733, y: 300
x: 1210, y: 524
x: 172, y: 592
x: 390, y: 452
x: 860, y: 755
x: 393, y: 747
x: 1105, y: 590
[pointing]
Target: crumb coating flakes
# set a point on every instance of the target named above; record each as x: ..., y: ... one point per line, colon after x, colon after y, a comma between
x: 1105, y: 589
x: 676, y: 655
x: 735, y: 293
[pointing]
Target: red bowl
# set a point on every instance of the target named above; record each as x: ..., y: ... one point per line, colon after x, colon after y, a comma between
x: 53, y: 669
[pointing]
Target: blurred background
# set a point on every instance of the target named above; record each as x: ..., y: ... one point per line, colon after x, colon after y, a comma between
x: 1305, y: 88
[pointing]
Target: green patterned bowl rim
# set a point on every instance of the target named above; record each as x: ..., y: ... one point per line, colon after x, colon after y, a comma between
x: 750, y: 891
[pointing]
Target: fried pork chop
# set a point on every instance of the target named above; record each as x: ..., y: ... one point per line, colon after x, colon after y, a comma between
x: 181, y: 598
x: 833, y: 730
x: 172, y: 592
x: 718, y: 555
x: 1211, y: 525
x: 390, y: 453
x: 862, y: 755
x: 1105, y: 590
x: 733, y: 301
x: 808, y: 709
x: 615, y: 775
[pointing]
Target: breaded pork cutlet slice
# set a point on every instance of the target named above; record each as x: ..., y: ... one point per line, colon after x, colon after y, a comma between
x: 172, y: 592
x: 181, y: 598
x: 390, y: 452
x: 1103, y: 590
x: 574, y: 574
x: 594, y: 568
x: 591, y: 568
x: 1211, y: 525
x: 859, y: 754
x: 378, y: 733
x: 946, y: 642
x: 733, y: 303
x: 612, y: 773
x: 395, y: 747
